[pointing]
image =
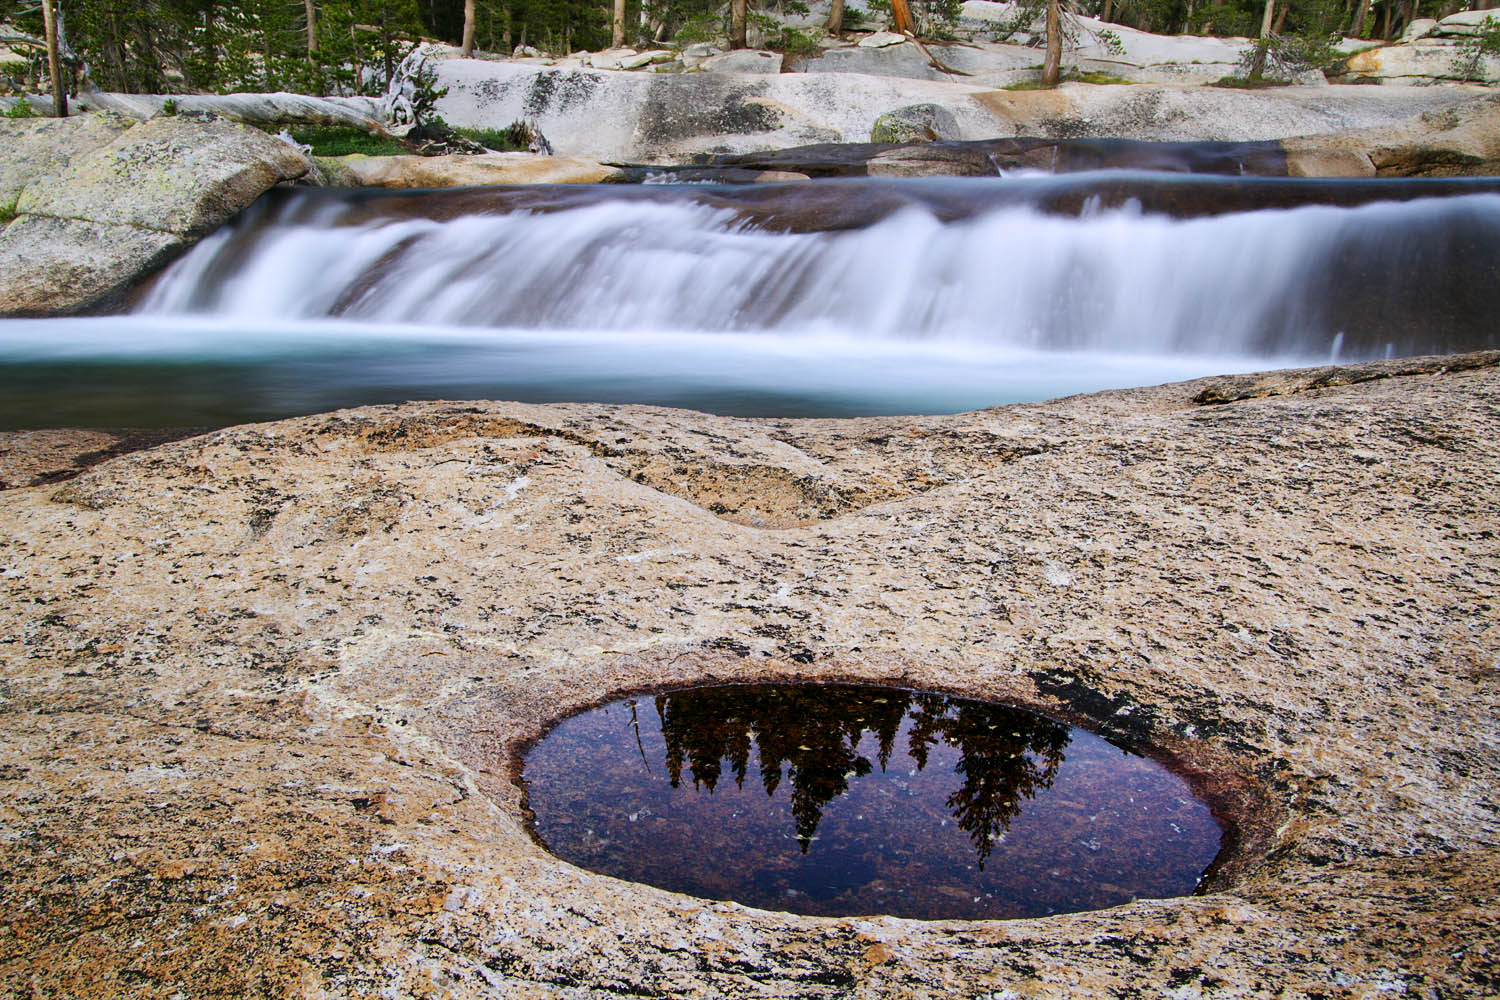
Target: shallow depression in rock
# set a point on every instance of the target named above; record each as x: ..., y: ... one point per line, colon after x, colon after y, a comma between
x: 854, y: 799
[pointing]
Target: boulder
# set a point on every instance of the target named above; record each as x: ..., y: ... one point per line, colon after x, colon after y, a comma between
x: 669, y: 118
x: 693, y: 55
x: 90, y: 229
x: 743, y: 61
x: 173, y: 175
x: 648, y: 58
x: 915, y: 123
x: 38, y: 150
x: 881, y: 39
x: 1461, y: 141
x: 58, y: 266
x: 1465, y: 23
x: 1421, y: 63
x: 609, y: 58
x: 1420, y: 28
x: 461, y: 171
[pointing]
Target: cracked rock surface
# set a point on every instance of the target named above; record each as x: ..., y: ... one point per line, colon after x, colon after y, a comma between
x: 261, y: 690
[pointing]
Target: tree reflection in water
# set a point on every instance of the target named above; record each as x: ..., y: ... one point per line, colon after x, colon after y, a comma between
x: 811, y: 735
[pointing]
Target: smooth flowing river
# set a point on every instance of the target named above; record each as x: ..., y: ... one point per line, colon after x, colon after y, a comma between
x: 832, y: 297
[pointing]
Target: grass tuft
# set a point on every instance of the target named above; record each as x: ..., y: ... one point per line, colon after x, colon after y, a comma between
x: 1100, y: 79
x: 1245, y: 83
x: 514, y: 138
x: 344, y: 140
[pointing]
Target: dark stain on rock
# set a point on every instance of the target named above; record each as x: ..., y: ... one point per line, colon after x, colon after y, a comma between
x: 704, y: 107
x: 560, y: 92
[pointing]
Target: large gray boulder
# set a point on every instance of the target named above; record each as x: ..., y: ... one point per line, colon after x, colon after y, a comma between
x: 1465, y: 23
x: 743, y: 61
x: 915, y: 123
x: 650, y: 118
x: 88, y: 231
x: 1423, y: 62
x: 647, y: 118
x: 57, y: 266
x: 175, y: 175
x: 38, y: 150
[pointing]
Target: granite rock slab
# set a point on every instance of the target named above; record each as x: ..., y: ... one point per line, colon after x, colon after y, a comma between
x: 262, y: 690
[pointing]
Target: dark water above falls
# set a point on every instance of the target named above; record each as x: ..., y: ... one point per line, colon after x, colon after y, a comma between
x: 835, y: 297
x: 850, y: 799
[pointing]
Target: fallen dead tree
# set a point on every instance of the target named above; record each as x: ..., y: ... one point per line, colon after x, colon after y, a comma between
x: 366, y: 113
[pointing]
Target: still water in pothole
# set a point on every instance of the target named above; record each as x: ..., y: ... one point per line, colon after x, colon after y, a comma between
x: 852, y: 799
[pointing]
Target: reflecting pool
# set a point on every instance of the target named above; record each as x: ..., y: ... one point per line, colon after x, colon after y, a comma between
x: 854, y: 799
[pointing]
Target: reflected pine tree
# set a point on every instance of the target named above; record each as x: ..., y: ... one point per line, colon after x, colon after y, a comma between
x: 810, y: 736
x: 1006, y: 756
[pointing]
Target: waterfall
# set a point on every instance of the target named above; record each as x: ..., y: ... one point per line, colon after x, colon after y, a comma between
x: 1361, y: 281
x: 830, y: 298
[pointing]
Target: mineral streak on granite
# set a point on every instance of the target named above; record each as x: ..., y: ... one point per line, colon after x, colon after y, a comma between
x: 261, y: 690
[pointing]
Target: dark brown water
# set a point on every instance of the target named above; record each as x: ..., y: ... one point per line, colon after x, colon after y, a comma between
x: 848, y: 799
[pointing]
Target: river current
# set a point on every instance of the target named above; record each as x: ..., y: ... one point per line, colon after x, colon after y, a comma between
x: 833, y: 297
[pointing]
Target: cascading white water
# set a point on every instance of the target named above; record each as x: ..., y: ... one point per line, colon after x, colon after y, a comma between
x: 830, y: 298
x: 1267, y: 282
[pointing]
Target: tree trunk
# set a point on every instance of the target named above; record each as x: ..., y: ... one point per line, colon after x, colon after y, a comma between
x: 836, y: 17
x: 617, y: 24
x: 359, y: 67
x: 737, y: 24
x: 1361, y: 12
x: 901, y: 15
x: 1281, y: 19
x: 468, y: 45
x: 310, y: 9
x: 54, y: 66
x: 1258, y: 65
x: 1411, y: 16
x: 1052, y: 66
x: 1109, y: 9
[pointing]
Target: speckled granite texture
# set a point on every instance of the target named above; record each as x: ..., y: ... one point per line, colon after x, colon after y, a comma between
x: 261, y: 690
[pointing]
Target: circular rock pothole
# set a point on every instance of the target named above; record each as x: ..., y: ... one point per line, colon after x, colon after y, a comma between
x: 850, y: 799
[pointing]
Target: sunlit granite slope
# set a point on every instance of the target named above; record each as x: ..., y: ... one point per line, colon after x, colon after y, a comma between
x: 261, y: 690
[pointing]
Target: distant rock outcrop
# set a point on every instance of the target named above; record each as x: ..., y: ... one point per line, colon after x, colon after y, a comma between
x: 672, y: 118
x: 1430, y: 52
